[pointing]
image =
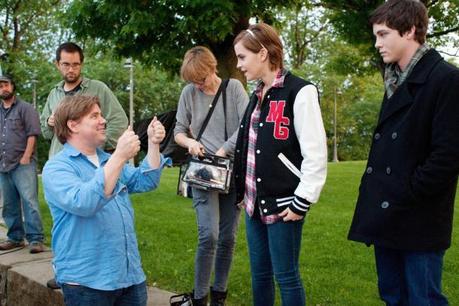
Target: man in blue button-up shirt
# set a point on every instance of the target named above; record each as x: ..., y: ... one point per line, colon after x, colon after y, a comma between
x: 96, y: 257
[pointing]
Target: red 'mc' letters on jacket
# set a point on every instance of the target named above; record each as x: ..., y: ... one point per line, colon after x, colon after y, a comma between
x: 276, y: 115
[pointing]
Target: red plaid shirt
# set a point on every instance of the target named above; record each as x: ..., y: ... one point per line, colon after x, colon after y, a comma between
x: 250, y: 194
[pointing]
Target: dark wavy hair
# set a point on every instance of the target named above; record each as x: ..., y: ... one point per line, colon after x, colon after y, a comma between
x: 402, y: 15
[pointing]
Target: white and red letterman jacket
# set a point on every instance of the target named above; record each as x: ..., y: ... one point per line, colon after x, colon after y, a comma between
x: 290, y: 123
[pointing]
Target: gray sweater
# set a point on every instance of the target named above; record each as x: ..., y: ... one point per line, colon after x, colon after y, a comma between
x: 193, y: 108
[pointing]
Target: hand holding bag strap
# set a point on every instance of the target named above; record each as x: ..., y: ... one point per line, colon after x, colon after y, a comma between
x: 223, y: 85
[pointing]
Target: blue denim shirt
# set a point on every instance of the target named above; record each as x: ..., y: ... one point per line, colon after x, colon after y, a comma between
x: 93, y: 237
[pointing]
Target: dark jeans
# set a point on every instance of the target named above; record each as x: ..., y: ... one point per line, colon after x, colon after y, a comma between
x: 274, y: 249
x: 135, y: 295
x: 408, y: 278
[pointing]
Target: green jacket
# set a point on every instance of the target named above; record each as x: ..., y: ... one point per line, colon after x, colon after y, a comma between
x: 112, y: 111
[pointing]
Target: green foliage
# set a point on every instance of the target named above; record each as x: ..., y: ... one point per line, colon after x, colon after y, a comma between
x: 350, y: 20
x: 327, y: 42
x: 159, y: 32
x: 155, y: 91
x: 342, y: 72
x: 335, y: 271
x: 358, y: 102
x: 358, y: 117
x: 302, y: 26
x: 24, y: 25
x: 444, y: 18
x: 28, y: 32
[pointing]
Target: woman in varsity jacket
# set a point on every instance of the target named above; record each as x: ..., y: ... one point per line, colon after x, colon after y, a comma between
x: 216, y: 214
x: 280, y: 164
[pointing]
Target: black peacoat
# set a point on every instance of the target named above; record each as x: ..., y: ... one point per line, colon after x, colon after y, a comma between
x: 406, y: 195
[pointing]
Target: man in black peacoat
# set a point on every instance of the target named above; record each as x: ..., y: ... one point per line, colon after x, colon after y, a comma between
x: 407, y: 192
x: 406, y: 197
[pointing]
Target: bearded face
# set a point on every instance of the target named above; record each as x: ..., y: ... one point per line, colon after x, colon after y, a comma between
x: 70, y: 67
x: 6, y: 90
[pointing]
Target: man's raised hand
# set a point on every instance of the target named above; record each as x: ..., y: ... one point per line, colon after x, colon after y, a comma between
x: 128, y: 145
x: 156, y: 131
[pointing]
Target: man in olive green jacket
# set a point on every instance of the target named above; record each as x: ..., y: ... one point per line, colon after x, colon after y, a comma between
x: 69, y: 61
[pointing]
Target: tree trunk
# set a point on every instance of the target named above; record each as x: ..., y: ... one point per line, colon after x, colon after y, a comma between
x: 224, y: 52
x: 227, y: 63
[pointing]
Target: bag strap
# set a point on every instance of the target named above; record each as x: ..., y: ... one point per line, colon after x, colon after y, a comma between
x: 223, y: 85
x: 224, y: 109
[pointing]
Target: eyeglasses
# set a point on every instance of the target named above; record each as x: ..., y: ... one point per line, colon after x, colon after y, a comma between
x: 67, y: 66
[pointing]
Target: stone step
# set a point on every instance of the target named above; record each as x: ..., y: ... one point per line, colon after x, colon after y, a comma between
x: 23, y: 278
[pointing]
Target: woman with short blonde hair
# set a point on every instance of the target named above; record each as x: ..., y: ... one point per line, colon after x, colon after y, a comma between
x: 217, y: 214
x: 198, y: 63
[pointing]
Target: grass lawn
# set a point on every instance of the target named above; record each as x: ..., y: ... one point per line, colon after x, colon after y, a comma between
x: 335, y: 271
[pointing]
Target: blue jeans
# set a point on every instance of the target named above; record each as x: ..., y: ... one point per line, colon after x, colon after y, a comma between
x: 409, y: 278
x: 20, y: 186
x: 218, y: 218
x: 135, y: 295
x: 274, y: 249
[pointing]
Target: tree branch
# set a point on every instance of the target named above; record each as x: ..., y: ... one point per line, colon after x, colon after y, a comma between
x: 440, y: 33
x: 430, y: 4
x: 315, y: 35
x: 449, y: 54
x: 5, y: 27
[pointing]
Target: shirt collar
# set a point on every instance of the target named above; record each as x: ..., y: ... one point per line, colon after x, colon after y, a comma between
x: 277, y: 83
x: 71, y: 151
x: 15, y: 100
x: 84, y: 84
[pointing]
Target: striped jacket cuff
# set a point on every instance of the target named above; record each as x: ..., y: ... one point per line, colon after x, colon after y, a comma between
x: 300, y: 206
